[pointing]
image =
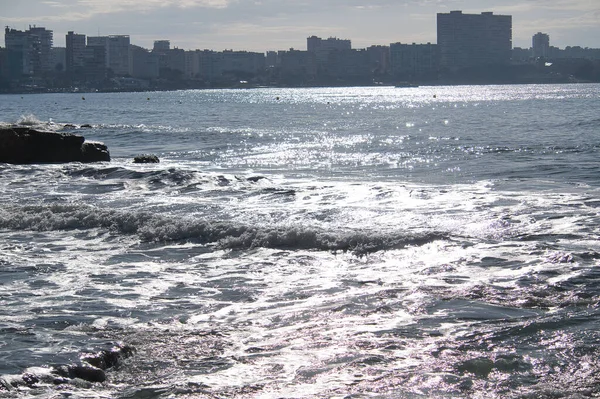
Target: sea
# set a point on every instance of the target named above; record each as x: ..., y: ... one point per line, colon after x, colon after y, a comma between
x: 362, y: 242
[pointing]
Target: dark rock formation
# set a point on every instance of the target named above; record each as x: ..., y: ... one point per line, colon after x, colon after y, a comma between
x: 146, y: 158
x: 82, y: 371
x: 92, y: 368
x: 22, y: 145
x: 223, y: 181
x: 108, y: 358
x: 254, y: 179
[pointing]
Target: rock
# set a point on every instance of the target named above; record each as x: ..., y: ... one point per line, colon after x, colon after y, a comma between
x: 108, y: 358
x: 223, y: 181
x: 146, y: 158
x: 87, y: 373
x: 23, y: 145
x: 93, y: 151
x: 254, y: 179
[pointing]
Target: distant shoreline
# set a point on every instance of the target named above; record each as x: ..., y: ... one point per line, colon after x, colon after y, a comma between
x: 254, y: 87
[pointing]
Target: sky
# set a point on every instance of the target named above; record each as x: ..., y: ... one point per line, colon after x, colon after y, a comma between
x: 263, y: 25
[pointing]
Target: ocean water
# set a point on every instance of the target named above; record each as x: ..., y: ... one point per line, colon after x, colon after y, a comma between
x: 431, y: 242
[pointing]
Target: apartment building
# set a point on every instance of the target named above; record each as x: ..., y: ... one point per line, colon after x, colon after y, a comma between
x: 473, y: 40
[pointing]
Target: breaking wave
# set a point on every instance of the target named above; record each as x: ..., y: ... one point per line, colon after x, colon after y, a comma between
x: 33, y: 122
x: 150, y: 227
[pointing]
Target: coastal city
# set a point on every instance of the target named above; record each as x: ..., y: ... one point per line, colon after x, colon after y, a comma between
x: 470, y: 49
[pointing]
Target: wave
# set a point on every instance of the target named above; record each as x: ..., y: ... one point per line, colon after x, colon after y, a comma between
x: 152, y: 227
x: 574, y: 123
x: 142, y: 128
x: 32, y: 121
x: 540, y: 150
x: 171, y: 177
x: 116, y: 172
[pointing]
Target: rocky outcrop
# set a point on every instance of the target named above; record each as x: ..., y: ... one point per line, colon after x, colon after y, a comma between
x: 146, y: 158
x: 22, y: 145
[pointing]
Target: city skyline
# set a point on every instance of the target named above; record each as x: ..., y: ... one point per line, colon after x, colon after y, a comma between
x: 264, y: 25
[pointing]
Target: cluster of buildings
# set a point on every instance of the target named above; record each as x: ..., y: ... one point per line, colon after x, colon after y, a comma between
x: 542, y: 50
x: 465, y: 43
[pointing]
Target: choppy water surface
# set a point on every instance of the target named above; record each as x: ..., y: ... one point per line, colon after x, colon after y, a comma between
x: 428, y: 242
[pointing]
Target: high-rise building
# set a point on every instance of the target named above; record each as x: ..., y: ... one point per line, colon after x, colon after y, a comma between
x: 31, y: 49
x: 17, y: 44
x: 100, y: 42
x: 473, y: 40
x: 161, y: 45
x: 322, y: 49
x: 119, y: 54
x: 42, y: 40
x: 75, y: 53
x: 540, y: 45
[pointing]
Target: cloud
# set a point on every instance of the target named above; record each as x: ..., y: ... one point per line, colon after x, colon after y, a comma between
x: 539, y: 6
x: 54, y: 4
x: 117, y: 6
x: 54, y: 11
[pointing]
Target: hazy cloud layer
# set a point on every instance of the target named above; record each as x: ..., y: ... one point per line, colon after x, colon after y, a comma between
x: 262, y: 25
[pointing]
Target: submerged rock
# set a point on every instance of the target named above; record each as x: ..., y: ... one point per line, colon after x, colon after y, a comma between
x: 146, y: 158
x: 23, y: 145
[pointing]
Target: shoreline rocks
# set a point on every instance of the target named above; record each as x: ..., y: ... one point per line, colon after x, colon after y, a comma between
x: 23, y: 145
x: 91, y: 368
